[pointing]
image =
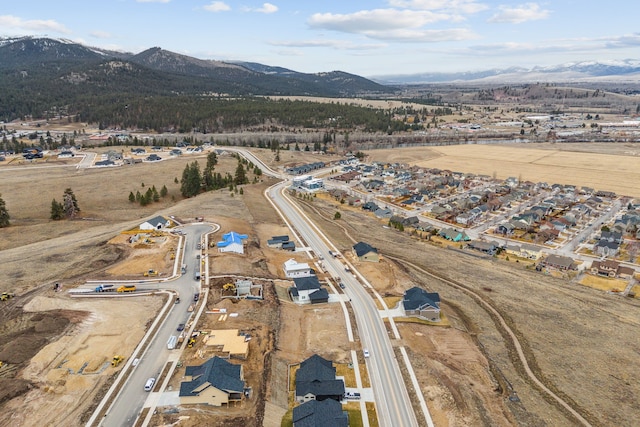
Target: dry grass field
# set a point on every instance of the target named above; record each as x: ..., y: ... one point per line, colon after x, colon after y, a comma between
x: 618, y: 171
x: 579, y: 340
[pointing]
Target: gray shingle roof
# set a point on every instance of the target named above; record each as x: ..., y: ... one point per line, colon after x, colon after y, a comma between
x: 215, y: 371
x: 363, y: 248
x: 417, y: 298
x: 326, y: 413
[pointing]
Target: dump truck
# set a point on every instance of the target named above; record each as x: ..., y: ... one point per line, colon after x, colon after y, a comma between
x: 127, y: 288
x: 105, y: 288
x: 151, y: 272
x: 229, y: 287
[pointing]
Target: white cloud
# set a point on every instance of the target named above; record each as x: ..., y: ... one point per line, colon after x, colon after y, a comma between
x: 337, y: 44
x: 266, y: 8
x: 29, y: 26
x: 100, y: 34
x: 153, y: 1
x: 377, y: 20
x: 392, y: 25
x: 460, y: 6
x: 217, y: 6
x: 519, y: 14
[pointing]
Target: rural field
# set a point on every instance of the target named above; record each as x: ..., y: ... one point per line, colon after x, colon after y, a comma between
x: 579, y: 341
x: 612, y: 167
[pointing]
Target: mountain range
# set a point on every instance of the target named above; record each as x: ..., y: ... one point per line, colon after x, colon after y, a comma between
x: 627, y: 71
x: 64, y: 62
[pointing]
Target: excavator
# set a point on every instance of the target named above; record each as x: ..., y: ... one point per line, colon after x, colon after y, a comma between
x: 6, y: 296
x: 229, y: 287
x: 116, y: 360
x: 191, y: 342
x: 150, y: 273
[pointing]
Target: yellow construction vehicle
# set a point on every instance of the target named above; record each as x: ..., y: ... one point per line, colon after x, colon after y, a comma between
x: 116, y: 360
x: 229, y: 287
x: 191, y: 342
x: 6, y: 296
x: 126, y: 288
x: 151, y: 272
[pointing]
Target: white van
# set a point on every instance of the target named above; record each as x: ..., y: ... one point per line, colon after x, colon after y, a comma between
x: 149, y: 385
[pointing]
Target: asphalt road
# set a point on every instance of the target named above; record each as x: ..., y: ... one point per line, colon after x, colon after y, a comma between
x: 130, y: 401
x: 392, y: 399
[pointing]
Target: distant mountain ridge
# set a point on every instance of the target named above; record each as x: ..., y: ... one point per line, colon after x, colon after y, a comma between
x: 56, y: 58
x: 584, y: 71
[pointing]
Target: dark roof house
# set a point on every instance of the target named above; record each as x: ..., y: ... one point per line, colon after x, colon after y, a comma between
x: 315, y: 413
x: 215, y: 382
x: 418, y: 302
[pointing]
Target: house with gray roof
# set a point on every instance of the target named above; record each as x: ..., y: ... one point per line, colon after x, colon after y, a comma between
x: 315, y: 413
x: 316, y: 380
x: 307, y: 290
x: 216, y: 382
x: 156, y: 223
x: 420, y: 303
x: 366, y: 252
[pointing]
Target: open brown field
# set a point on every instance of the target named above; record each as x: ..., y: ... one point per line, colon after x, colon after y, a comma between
x: 613, y: 172
x: 579, y: 340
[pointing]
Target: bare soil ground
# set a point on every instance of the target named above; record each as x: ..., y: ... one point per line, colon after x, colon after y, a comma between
x: 579, y: 340
x: 59, y: 350
x: 612, y: 167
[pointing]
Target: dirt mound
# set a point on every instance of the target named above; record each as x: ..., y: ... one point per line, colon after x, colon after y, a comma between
x: 10, y: 388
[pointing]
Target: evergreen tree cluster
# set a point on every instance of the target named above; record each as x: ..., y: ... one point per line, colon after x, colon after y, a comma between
x: 150, y: 196
x: 68, y: 208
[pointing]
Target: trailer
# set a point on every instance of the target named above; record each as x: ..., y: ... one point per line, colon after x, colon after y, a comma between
x: 105, y: 288
x: 171, y: 344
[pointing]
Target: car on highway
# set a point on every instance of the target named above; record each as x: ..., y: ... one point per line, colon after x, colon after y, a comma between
x: 342, y: 285
x: 181, y: 327
x: 148, y: 386
x: 365, y: 352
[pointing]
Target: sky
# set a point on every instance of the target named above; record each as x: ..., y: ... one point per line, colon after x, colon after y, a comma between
x: 368, y: 38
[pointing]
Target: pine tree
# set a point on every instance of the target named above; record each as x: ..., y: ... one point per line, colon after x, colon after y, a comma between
x: 164, y: 191
x: 70, y: 203
x: 132, y: 197
x: 212, y: 160
x: 191, y: 180
x: 57, y: 210
x: 240, y: 177
x: 4, y: 214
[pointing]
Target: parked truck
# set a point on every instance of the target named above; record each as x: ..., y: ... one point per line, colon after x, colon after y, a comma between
x: 171, y: 344
x: 105, y: 288
x: 127, y: 288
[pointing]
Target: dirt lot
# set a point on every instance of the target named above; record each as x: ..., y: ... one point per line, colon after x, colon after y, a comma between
x: 615, y: 169
x: 59, y: 350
